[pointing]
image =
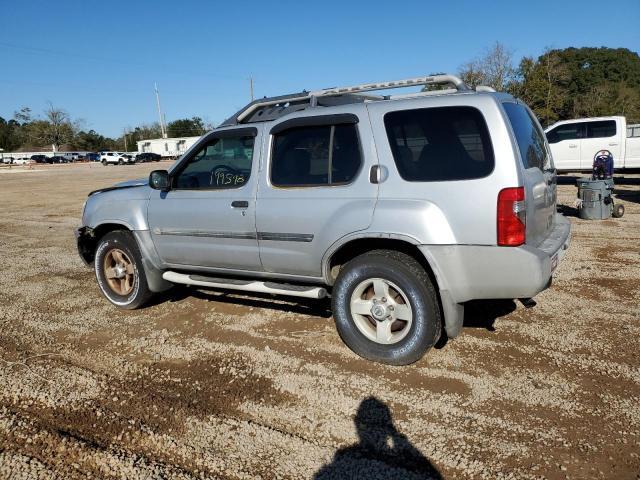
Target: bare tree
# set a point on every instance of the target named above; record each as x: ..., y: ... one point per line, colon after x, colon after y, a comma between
x: 60, y: 129
x: 494, y: 69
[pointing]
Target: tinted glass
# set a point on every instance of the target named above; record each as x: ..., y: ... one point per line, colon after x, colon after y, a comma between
x: 435, y: 144
x: 571, y: 131
x: 530, y: 138
x: 315, y: 156
x: 222, y: 163
x: 605, y: 128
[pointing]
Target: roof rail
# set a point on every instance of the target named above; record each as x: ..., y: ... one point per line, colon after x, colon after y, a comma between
x: 302, y: 99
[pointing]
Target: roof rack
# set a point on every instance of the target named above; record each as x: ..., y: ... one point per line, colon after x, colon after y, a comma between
x: 270, y: 108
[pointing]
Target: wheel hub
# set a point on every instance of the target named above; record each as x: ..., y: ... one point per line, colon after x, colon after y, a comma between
x: 120, y: 270
x: 379, y: 312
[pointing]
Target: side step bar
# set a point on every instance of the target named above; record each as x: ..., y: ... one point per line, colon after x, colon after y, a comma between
x: 274, y: 288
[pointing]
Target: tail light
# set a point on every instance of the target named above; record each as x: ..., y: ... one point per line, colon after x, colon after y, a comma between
x: 511, y: 217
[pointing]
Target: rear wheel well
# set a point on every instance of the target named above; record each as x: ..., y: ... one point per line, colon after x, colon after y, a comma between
x: 354, y: 248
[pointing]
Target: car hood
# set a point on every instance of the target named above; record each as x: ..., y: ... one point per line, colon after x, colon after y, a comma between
x: 132, y: 183
x: 141, y: 182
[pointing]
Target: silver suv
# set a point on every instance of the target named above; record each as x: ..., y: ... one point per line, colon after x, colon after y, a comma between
x: 400, y: 207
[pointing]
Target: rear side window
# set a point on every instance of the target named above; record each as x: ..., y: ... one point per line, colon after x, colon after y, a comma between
x: 605, y: 128
x: 529, y: 136
x: 315, y: 156
x: 439, y: 144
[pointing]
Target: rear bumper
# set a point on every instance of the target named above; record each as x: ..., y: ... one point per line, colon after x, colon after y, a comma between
x: 472, y: 272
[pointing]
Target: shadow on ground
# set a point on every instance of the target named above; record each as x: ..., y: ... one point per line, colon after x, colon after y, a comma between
x: 303, y: 306
x: 481, y: 314
x: 382, y: 452
x: 618, y: 179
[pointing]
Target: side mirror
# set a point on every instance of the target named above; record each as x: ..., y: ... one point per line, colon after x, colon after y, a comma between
x: 159, y: 180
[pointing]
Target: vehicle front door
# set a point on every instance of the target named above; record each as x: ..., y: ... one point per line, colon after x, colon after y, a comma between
x: 565, y: 143
x: 207, y: 218
x: 314, y: 189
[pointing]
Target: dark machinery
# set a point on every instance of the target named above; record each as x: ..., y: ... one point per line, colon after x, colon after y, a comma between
x: 595, y: 200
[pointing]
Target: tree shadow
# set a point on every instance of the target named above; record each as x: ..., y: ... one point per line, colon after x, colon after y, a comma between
x: 381, y: 452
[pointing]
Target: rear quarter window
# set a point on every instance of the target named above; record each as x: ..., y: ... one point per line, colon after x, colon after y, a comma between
x: 529, y: 137
x: 440, y: 144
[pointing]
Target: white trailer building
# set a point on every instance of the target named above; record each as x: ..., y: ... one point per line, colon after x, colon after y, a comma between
x: 166, y: 147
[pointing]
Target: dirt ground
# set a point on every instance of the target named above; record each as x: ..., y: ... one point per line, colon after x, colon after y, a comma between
x: 210, y: 385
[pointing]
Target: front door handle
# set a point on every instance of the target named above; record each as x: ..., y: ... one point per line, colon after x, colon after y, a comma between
x: 573, y: 145
x: 240, y: 204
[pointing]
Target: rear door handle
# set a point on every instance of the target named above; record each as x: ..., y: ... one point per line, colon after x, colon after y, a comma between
x: 239, y: 204
x: 573, y: 145
x: 613, y: 144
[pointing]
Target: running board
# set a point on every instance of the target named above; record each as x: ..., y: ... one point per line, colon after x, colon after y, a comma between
x: 274, y: 288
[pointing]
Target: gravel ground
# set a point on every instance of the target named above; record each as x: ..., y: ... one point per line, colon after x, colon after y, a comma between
x: 211, y: 385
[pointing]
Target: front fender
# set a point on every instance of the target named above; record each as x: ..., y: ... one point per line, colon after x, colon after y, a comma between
x: 126, y: 206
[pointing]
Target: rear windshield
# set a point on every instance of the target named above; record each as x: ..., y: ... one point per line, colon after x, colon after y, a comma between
x: 439, y: 144
x: 529, y: 136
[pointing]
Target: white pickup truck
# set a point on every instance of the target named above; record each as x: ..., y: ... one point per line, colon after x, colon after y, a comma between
x: 574, y: 143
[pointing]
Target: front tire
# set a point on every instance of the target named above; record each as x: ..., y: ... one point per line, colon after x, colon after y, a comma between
x: 386, y: 308
x: 120, y: 272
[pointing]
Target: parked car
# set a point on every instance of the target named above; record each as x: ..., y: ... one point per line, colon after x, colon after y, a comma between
x: 7, y: 160
x: 39, y: 158
x: 148, y: 157
x: 93, y: 157
x: 402, y: 208
x: 57, y: 159
x: 574, y: 143
x: 22, y: 161
x: 114, y: 158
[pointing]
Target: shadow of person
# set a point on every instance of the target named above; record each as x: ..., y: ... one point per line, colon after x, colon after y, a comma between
x: 381, y: 453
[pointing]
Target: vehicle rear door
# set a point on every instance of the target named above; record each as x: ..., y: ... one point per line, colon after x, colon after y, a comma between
x: 565, y: 142
x: 314, y: 189
x: 539, y: 173
x: 601, y: 135
x: 207, y: 219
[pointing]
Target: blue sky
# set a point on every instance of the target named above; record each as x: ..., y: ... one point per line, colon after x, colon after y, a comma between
x: 99, y: 60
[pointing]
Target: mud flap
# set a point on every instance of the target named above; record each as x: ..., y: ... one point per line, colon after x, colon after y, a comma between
x: 453, y: 314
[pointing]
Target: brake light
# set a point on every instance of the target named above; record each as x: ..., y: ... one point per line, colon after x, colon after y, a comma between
x: 511, y: 217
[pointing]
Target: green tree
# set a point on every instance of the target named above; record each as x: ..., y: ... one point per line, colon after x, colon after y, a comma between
x: 186, y: 127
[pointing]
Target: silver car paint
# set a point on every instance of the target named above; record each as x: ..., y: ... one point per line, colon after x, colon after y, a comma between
x: 324, y: 212
x: 456, y: 235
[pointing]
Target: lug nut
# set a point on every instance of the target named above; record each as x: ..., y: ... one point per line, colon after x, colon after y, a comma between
x: 384, y: 299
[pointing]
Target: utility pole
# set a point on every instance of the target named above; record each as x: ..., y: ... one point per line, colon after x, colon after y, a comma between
x: 162, y: 129
x: 125, y: 140
x: 251, y: 87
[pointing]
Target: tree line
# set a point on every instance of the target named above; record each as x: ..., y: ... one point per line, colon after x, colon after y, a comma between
x: 56, y: 129
x: 558, y: 85
x: 564, y: 83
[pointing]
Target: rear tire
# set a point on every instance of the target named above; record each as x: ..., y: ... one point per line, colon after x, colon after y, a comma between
x: 618, y: 211
x: 386, y: 308
x: 104, y: 163
x: 120, y: 162
x: 120, y: 272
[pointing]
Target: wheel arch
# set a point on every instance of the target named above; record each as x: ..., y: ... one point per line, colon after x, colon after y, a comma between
x: 88, y: 239
x: 452, y: 313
